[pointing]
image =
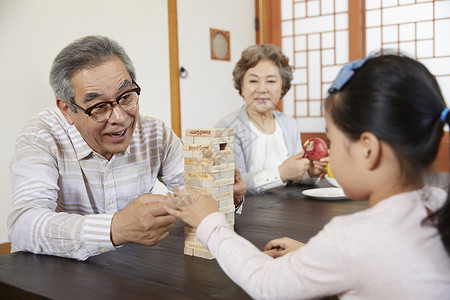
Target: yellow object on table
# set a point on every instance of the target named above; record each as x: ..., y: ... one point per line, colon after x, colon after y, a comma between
x: 330, y: 174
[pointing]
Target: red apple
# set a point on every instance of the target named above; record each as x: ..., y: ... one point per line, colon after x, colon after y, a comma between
x: 315, y: 148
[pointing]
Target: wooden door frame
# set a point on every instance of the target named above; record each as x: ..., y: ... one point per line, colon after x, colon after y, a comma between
x: 268, y: 26
x: 174, y: 67
x: 268, y: 22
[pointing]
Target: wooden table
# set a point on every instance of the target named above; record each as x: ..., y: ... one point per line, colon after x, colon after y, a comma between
x: 163, y: 271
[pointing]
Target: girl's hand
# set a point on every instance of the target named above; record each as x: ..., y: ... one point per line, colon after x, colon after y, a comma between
x: 280, y: 247
x: 191, y: 206
x: 318, y: 167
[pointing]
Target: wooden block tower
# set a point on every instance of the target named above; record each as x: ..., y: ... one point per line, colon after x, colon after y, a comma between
x: 209, y: 168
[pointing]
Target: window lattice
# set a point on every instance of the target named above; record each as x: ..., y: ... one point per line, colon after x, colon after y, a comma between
x: 419, y: 29
x: 316, y: 40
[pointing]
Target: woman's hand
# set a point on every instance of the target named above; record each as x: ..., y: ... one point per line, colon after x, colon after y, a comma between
x: 294, y: 167
x: 280, y: 247
x: 191, y: 206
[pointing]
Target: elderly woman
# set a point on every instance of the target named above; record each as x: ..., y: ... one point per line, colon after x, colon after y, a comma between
x: 267, y: 146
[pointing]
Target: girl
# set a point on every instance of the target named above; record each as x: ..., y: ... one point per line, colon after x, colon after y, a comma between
x: 385, y: 116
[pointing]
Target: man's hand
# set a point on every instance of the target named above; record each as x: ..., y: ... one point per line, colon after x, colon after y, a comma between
x: 144, y: 221
x: 280, y: 247
x: 239, y: 187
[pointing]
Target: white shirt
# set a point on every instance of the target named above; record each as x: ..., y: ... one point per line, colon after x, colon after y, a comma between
x: 384, y: 252
x: 268, y: 153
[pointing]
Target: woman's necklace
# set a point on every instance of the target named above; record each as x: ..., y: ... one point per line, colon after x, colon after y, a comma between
x: 265, y: 124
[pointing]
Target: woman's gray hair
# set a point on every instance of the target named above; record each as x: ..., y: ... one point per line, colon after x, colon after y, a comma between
x: 86, y: 52
x: 253, y: 55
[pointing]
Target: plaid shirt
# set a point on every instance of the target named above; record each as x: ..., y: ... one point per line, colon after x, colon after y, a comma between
x: 65, y: 194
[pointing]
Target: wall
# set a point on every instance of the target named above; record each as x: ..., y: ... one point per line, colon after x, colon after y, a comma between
x: 33, y: 32
x: 208, y: 89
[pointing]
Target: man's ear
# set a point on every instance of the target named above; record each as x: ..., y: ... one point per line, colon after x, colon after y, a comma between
x: 65, y: 110
x: 371, y: 149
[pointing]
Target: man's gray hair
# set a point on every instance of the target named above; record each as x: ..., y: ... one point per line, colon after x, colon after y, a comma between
x: 86, y: 52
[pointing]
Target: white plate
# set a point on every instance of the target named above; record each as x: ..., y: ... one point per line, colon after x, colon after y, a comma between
x: 325, y: 193
x: 332, y: 181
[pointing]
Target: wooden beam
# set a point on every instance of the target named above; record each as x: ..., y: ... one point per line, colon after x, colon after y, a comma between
x: 257, y: 23
x: 175, y: 108
x: 5, y: 248
x: 356, y: 29
x: 273, y: 28
x: 268, y: 14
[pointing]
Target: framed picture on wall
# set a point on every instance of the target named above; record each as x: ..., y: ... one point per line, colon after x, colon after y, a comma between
x: 220, y: 44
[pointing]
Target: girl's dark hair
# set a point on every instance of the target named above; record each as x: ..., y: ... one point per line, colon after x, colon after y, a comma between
x: 399, y: 100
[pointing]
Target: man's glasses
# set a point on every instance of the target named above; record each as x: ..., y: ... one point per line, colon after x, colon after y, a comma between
x: 102, y: 111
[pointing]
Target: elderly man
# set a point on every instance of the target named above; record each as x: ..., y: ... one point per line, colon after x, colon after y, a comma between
x: 82, y: 173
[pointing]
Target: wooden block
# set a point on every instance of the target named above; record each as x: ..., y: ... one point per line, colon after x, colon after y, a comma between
x: 210, y: 132
x: 226, y: 202
x: 208, y: 183
x: 203, y: 254
x: 198, y: 154
x: 229, y: 215
x: 199, y: 162
x: 194, y: 182
x: 224, y: 160
x: 226, y: 188
x: 228, y: 146
x: 208, y: 161
x: 188, y: 251
x: 225, y: 181
x: 223, y: 144
x: 188, y: 140
x: 203, y: 176
x: 193, y: 168
x: 223, y: 196
x: 227, y: 209
x: 190, y: 238
x: 187, y: 154
x: 219, y: 168
x: 197, y: 147
x: 189, y: 230
x: 206, y: 140
x: 227, y: 174
x: 207, y: 191
x: 194, y: 245
x: 213, y: 154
